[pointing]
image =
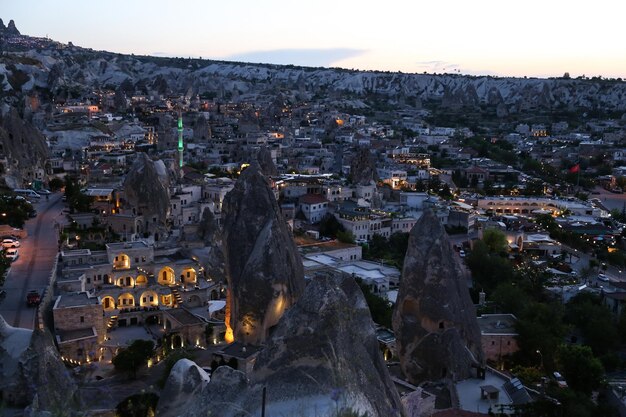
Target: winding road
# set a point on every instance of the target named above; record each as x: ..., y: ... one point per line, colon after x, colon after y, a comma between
x: 31, y: 271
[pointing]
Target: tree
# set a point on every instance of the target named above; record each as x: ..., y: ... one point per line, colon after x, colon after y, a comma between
x: 510, y: 298
x: 495, y: 240
x: 380, y: 308
x: 345, y: 236
x: 582, y: 371
x: 134, y: 357
x: 77, y: 201
x: 540, y: 328
x: 488, y: 269
x: 595, y: 321
x: 55, y: 184
x: 330, y: 226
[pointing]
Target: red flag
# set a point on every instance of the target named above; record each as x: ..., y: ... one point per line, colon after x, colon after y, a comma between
x: 575, y: 169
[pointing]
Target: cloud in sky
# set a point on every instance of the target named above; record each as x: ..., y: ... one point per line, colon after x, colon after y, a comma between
x: 325, y: 57
x: 439, y: 66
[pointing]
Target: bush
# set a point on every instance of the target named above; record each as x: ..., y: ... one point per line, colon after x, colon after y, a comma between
x: 138, y: 405
x: 134, y: 357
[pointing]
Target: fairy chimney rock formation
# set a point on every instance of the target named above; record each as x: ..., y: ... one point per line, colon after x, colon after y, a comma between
x: 434, y: 320
x: 263, y: 266
x: 147, y: 189
x: 322, y: 359
x: 264, y: 157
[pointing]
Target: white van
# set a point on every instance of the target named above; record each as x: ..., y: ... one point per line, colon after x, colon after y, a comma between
x: 26, y: 193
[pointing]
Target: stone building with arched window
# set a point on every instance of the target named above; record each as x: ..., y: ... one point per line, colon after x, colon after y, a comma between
x: 134, y: 282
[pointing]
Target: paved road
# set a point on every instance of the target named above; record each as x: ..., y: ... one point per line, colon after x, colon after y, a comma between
x: 32, y: 269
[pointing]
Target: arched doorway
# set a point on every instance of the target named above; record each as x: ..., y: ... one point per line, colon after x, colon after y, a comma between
x: 108, y: 303
x: 167, y: 300
x: 142, y: 280
x: 125, y: 281
x: 189, y: 275
x: 194, y: 301
x: 149, y: 299
x: 126, y: 300
x: 166, y: 276
x: 177, y: 341
x: 121, y: 261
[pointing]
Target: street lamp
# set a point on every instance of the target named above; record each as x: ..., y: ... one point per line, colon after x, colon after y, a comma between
x: 541, y: 357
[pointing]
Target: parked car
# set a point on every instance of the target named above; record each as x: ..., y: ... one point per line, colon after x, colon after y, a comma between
x: 462, y: 253
x: 603, y: 277
x: 12, y: 253
x: 10, y: 242
x: 33, y: 298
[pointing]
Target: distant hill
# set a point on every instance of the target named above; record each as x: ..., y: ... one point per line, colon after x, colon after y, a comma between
x: 39, y: 64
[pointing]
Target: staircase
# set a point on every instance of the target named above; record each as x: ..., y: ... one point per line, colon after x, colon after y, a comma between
x: 177, y: 297
x: 112, y: 322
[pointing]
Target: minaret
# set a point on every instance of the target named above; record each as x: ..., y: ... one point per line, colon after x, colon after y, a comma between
x: 180, y: 139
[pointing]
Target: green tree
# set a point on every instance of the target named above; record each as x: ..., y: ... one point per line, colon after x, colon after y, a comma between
x: 495, y: 240
x: 380, y: 308
x: 330, y: 226
x: 76, y: 199
x: 345, y: 236
x: 510, y: 298
x: 55, y: 184
x: 134, y: 357
x: 540, y: 328
x: 488, y: 269
x: 595, y: 321
x: 582, y: 371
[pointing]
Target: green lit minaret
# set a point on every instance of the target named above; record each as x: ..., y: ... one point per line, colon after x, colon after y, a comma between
x: 180, y: 139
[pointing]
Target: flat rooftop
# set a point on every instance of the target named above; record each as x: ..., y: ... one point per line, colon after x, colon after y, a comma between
x: 75, y: 300
x: 183, y: 316
x: 69, y: 335
x: 497, y: 323
x: 98, y: 192
x: 328, y: 246
x: 75, y: 252
x: 468, y: 392
x: 137, y: 244
x: 240, y: 350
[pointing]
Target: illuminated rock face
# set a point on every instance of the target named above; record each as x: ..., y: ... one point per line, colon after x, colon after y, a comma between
x: 322, y: 358
x: 434, y: 320
x: 263, y: 266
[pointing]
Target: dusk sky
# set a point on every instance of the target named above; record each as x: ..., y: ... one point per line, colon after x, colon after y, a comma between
x: 533, y: 38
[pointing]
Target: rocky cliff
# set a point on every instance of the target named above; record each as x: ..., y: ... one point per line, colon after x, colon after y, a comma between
x: 24, y: 148
x: 264, y: 157
x: 146, y: 187
x: 183, y: 386
x: 363, y: 167
x: 212, y: 255
x: 434, y: 320
x: 263, y: 266
x: 323, y: 358
x: 32, y: 372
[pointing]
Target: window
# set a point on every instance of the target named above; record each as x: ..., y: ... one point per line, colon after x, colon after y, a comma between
x: 82, y: 319
x: 88, y: 280
x: 136, y: 260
